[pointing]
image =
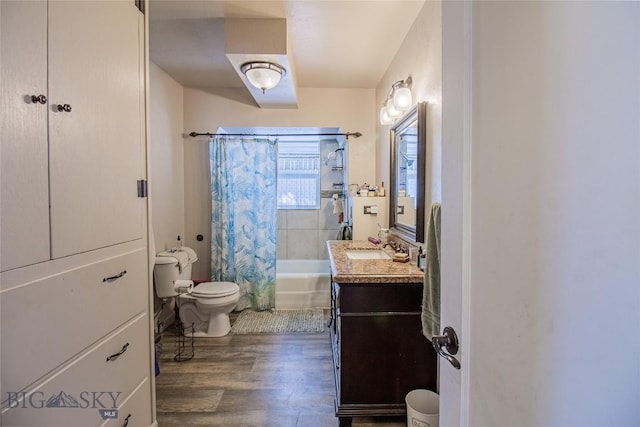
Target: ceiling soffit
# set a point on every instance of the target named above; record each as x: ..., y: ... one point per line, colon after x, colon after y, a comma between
x: 262, y: 40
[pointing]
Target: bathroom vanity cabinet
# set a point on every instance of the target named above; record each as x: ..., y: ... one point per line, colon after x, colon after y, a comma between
x: 379, y: 352
x: 75, y: 292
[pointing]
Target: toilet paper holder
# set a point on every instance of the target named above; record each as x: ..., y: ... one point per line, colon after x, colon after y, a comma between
x: 183, y: 286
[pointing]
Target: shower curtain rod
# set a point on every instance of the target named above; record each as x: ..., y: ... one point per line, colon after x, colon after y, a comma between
x: 345, y: 134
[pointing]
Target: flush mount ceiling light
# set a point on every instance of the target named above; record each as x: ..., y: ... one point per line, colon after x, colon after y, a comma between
x: 263, y: 75
x: 397, y: 102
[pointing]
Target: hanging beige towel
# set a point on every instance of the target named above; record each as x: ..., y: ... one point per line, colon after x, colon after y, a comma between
x: 431, y: 289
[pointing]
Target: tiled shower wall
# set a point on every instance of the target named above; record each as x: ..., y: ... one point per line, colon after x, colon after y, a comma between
x: 302, y: 234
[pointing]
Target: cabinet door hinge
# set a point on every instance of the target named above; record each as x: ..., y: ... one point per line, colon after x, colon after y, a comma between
x: 142, y: 188
x: 140, y: 5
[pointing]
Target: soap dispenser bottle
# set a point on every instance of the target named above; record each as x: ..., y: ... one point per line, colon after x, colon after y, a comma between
x: 381, y: 190
x: 421, y: 259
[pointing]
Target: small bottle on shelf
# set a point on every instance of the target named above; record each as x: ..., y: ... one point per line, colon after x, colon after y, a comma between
x: 381, y: 190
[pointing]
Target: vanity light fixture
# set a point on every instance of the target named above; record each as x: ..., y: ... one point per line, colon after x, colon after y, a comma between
x: 402, y: 94
x: 262, y: 74
x: 384, y: 116
x: 397, y: 102
x: 392, y: 111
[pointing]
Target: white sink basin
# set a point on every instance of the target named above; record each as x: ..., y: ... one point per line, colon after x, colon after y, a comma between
x: 367, y: 254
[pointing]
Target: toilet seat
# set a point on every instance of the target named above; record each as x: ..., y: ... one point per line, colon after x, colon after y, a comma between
x: 215, y: 289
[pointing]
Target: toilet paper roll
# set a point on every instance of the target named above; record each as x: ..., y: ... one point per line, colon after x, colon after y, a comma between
x: 183, y: 286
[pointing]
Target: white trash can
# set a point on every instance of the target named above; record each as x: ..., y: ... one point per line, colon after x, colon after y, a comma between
x: 422, y: 408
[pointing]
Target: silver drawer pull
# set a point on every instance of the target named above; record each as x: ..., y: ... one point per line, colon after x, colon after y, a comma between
x: 126, y: 421
x: 118, y: 354
x: 116, y: 277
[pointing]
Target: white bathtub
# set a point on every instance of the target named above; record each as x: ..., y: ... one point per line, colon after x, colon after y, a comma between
x: 302, y: 284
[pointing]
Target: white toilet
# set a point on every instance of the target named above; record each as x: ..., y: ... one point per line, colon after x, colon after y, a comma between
x: 206, y: 306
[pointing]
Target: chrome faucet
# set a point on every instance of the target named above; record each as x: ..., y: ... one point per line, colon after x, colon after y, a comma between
x: 397, y: 247
x: 393, y: 245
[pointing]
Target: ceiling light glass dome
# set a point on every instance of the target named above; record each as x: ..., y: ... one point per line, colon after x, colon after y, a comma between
x: 263, y: 75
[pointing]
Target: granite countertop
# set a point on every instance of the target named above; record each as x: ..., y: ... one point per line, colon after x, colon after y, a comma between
x: 346, y: 270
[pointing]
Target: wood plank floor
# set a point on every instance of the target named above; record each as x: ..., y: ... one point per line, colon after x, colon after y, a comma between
x: 283, y: 380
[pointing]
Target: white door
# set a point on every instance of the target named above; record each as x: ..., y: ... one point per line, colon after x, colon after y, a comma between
x: 24, y: 158
x: 96, y: 148
x: 541, y: 213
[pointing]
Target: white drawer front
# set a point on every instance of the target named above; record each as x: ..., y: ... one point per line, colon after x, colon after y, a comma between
x: 135, y: 410
x: 79, y: 391
x: 47, y: 322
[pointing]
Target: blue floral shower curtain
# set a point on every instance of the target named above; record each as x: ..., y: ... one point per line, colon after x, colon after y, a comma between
x: 243, y: 218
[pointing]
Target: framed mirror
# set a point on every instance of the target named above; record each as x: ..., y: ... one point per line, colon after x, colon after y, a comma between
x: 408, y: 170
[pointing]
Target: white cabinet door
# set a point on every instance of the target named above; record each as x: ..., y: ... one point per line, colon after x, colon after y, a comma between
x: 96, y: 149
x: 24, y: 170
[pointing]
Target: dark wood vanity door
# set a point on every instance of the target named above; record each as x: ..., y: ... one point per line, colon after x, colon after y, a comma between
x: 379, y: 350
x: 388, y: 361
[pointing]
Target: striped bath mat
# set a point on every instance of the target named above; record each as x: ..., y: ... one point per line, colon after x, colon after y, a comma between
x: 280, y: 321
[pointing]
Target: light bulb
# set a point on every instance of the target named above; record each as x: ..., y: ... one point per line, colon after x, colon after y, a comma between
x: 384, y: 117
x: 402, y: 98
x: 392, y: 111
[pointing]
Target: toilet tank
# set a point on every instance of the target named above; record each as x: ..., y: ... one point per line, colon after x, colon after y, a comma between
x: 165, y: 273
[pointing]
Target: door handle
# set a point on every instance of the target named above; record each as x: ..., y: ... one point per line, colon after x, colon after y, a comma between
x: 448, y: 341
x: 39, y: 99
x: 64, y: 107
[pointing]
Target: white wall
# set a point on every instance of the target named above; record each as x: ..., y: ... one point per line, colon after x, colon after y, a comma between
x: 420, y: 57
x: 351, y: 110
x: 554, y: 214
x: 166, y: 178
